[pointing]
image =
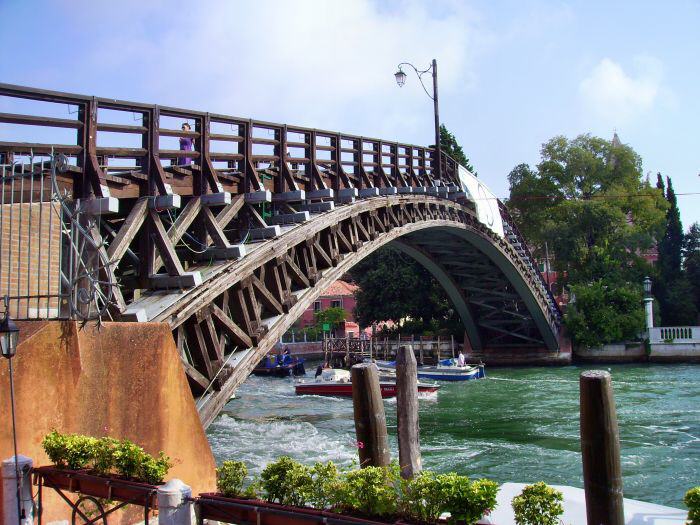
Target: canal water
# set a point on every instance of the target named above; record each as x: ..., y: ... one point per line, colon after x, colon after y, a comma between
x: 519, y: 424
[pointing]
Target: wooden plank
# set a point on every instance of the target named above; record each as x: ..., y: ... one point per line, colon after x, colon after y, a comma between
x: 214, y: 229
x: 203, y: 353
x: 232, y: 328
x: 195, y: 375
x: 164, y: 245
x: 230, y: 211
x: 128, y: 231
x: 266, y: 296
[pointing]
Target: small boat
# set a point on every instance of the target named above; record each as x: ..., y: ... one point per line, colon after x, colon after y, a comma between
x: 271, y: 366
x: 445, y: 370
x: 336, y: 382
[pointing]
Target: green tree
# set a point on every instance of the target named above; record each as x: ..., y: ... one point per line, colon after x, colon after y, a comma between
x: 671, y: 287
x: 603, y: 314
x: 586, y: 195
x: 450, y: 146
x: 691, y: 263
x: 333, y: 316
x: 394, y: 286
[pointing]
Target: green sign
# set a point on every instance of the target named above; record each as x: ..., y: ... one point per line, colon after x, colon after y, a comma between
x: 326, y: 327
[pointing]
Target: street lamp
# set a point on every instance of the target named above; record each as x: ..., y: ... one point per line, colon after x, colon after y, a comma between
x: 401, y: 80
x: 647, y: 286
x: 9, y: 334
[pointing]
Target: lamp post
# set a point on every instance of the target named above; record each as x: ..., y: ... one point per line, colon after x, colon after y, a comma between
x: 648, y: 304
x: 401, y: 80
x: 9, y: 334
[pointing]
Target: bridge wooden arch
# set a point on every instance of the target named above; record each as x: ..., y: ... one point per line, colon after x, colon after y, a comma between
x: 227, y: 324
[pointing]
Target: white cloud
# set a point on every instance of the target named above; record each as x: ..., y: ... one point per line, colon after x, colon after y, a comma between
x: 615, y: 96
x: 325, y: 64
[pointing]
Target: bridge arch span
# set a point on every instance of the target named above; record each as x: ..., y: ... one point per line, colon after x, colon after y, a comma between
x: 225, y: 325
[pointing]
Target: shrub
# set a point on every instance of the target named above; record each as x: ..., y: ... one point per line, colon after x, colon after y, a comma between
x: 287, y: 482
x: 56, y: 445
x: 370, y: 491
x: 692, y: 501
x: 465, y: 500
x: 127, y: 458
x: 325, y: 485
x: 229, y: 478
x: 104, y: 455
x: 423, y: 497
x: 153, y: 470
x: 79, y: 451
x: 538, y: 504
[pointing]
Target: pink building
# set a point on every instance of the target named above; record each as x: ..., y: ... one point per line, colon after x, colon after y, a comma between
x: 340, y: 294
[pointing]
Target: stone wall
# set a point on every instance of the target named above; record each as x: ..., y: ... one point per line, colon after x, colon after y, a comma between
x: 123, y: 380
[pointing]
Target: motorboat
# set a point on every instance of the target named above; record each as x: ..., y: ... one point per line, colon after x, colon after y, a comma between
x: 445, y: 370
x: 280, y: 366
x: 337, y: 382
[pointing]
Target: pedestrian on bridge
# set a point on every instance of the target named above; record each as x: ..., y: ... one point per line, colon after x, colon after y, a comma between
x: 186, y: 144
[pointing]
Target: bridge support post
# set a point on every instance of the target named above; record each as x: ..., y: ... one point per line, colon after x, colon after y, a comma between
x: 174, y: 503
x: 370, y: 420
x: 600, y: 450
x: 407, y: 412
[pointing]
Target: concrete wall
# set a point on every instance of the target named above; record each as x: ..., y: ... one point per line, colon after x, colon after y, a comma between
x: 123, y: 380
x: 612, y: 353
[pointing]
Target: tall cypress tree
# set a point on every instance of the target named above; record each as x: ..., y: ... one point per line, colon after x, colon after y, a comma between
x: 660, y: 183
x: 449, y: 145
x: 670, y: 257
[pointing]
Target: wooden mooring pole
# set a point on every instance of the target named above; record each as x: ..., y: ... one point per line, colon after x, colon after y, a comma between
x: 370, y: 420
x: 407, y: 412
x: 600, y: 450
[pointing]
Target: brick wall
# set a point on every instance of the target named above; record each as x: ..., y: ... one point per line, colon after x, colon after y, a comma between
x: 30, y: 252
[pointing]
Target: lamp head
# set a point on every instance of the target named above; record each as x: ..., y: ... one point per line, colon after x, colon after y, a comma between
x: 9, y: 334
x: 647, y: 285
x: 400, y: 77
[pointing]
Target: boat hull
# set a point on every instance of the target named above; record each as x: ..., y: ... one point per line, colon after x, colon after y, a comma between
x: 442, y: 373
x: 345, y: 389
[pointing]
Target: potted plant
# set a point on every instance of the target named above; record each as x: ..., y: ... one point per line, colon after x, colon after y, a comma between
x: 692, y: 501
x: 290, y: 492
x: 538, y: 504
x: 103, y: 467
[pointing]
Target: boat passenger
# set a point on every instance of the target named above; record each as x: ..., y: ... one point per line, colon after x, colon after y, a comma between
x: 461, y: 360
x: 286, y: 357
x: 319, y: 371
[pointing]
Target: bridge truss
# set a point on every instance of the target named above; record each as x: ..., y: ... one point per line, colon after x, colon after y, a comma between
x: 232, y: 245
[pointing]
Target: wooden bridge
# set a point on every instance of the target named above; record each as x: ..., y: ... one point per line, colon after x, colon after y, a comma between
x: 230, y: 242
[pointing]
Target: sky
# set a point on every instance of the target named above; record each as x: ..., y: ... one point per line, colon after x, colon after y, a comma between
x: 512, y: 75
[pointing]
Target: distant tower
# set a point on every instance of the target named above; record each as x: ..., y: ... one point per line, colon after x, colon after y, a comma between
x: 615, y: 143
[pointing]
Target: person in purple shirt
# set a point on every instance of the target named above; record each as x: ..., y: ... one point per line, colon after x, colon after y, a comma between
x: 186, y: 144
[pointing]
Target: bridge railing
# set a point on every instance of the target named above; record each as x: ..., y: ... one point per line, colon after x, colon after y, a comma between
x: 127, y: 149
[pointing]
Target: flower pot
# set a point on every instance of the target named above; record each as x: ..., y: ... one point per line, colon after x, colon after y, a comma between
x: 253, y: 512
x: 107, y: 487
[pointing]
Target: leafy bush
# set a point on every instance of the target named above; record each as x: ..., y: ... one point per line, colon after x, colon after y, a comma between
x: 103, y: 455
x: 287, y: 481
x: 153, y: 470
x: 106, y: 456
x: 325, y: 485
x: 127, y: 458
x: 370, y: 491
x: 229, y: 478
x: 423, y: 497
x: 56, y: 447
x: 692, y: 501
x: 465, y: 500
x: 538, y: 504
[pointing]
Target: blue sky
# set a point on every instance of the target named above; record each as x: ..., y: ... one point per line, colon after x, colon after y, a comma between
x: 512, y: 74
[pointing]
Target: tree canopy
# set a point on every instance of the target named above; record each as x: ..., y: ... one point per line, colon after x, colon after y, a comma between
x: 588, y: 202
x: 586, y: 199
x: 450, y: 146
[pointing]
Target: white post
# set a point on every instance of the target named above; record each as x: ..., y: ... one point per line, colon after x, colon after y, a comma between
x: 174, y: 503
x: 648, y: 305
x: 9, y: 490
